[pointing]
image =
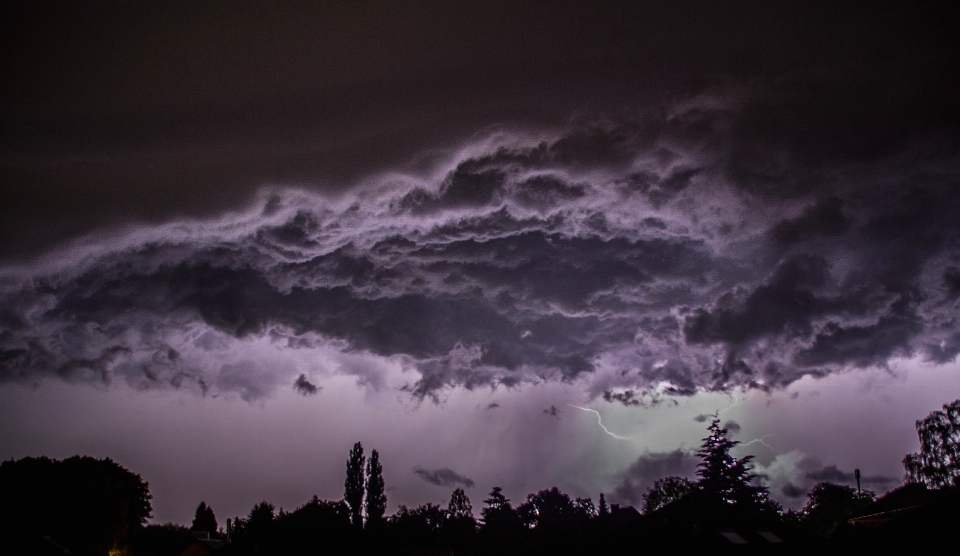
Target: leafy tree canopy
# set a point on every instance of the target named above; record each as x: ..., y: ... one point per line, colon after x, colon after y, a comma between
x: 552, y: 508
x: 664, y: 491
x: 937, y: 464
x: 82, y: 502
x: 158, y: 540
x: 261, y: 516
x: 829, y: 504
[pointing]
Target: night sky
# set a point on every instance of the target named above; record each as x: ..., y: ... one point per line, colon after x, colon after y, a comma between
x: 505, y: 244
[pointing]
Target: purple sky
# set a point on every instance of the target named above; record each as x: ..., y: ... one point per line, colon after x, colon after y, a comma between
x: 516, y: 246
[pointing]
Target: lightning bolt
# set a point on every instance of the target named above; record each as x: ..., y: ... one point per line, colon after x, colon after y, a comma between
x: 600, y: 421
x: 736, y: 403
x: 761, y: 441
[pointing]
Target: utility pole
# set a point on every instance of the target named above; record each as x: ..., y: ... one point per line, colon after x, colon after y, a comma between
x: 856, y: 473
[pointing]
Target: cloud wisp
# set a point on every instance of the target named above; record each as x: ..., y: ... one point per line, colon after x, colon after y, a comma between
x: 443, y: 477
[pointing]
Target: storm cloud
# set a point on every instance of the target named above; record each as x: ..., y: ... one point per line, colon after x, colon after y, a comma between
x: 770, y: 205
x: 832, y: 474
x: 649, y: 467
x: 616, y: 251
x: 304, y: 386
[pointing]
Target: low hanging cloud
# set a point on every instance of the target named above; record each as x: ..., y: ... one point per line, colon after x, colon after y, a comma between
x: 443, y: 477
x: 732, y: 426
x: 304, y: 386
x: 649, y: 467
x: 627, y: 398
x: 791, y: 490
x: 832, y: 474
x: 629, y: 254
x: 791, y: 475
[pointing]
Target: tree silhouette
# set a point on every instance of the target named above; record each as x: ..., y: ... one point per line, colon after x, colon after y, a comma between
x: 461, y: 527
x: 157, y: 540
x: 724, y: 476
x: 557, y: 523
x: 353, y: 485
x: 665, y: 491
x: 317, y: 527
x: 420, y: 527
x: 459, y: 507
x: 376, y: 498
x: 937, y: 464
x: 497, y: 502
x: 261, y: 516
x: 502, y: 527
x: 552, y: 508
x: 498, y: 512
x: 829, y: 504
x: 204, y: 520
x: 602, y: 508
x: 88, y: 504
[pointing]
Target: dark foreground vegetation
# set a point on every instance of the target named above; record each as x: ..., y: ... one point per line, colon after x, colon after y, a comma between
x: 87, y: 506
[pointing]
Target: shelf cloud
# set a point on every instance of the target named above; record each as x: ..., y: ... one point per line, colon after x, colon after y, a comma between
x: 620, y: 252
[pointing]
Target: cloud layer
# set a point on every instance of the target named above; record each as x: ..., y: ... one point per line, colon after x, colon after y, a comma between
x: 656, y: 253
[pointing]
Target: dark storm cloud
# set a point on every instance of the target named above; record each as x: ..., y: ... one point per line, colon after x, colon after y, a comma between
x: 627, y: 398
x: 304, y: 386
x: 443, y: 477
x: 951, y: 282
x: 127, y: 113
x: 786, y: 209
x: 649, y: 467
x: 732, y: 426
x: 822, y: 219
x: 791, y: 490
x: 473, y: 285
x: 832, y: 474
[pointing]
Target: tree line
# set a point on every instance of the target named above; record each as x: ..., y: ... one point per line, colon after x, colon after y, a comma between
x: 95, y: 506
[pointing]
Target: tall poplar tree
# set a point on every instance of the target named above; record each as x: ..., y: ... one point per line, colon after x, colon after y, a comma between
x: 376, y: 497
x: 353, y: 486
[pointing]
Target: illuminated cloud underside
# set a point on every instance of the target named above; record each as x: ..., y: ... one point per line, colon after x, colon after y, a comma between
x: 625, y: 254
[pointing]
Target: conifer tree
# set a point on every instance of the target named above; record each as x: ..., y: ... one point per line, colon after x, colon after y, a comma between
x: 204, y: 520
x: 502, y: 528
x: 376, y: 497
x: 725, y: 476
x: 353, y: 486
x: 460, y: 507
x: 602, y: 507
